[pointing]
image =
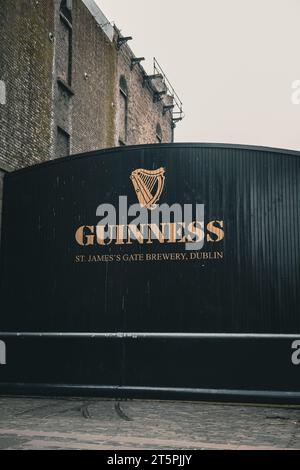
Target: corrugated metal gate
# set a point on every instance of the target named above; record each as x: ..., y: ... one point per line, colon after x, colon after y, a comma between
x: 145, y: 318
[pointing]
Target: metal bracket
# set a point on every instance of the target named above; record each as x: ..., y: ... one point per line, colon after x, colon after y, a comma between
x: 135, y: 61
x: 158, y: 96
x: 168, y: 108
x: 123, y: 40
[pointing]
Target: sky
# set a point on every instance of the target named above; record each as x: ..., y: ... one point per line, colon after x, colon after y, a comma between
x: 232, y: 63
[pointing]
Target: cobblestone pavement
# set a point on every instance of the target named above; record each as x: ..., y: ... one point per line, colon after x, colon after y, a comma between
x: 44, y: 423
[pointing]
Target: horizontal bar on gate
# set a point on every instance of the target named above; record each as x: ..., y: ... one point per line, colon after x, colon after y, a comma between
x: 258, y: 396
x: 146, y: 335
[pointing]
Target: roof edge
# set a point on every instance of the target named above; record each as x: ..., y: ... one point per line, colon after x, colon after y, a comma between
x: 287, y: 152
x: 100, y: 18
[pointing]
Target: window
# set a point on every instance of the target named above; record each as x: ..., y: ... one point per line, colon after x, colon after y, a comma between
x: 158, y: 134
x: 62, y: 143
x: 64, y: 43
x: 66, y: 9
x: 123, y: 108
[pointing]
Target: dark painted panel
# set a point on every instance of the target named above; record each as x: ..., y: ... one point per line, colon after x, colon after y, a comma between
x: 254, y: 288
x: 248, y: 364
x: 214, y: 363
x: 58, y: 361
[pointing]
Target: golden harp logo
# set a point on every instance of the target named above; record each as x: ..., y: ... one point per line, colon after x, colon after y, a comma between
x: 148, y: 185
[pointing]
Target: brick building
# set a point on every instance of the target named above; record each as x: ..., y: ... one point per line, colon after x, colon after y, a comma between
x: 69, y: 83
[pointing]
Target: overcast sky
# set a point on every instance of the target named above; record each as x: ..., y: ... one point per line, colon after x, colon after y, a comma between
x: 232, y: 62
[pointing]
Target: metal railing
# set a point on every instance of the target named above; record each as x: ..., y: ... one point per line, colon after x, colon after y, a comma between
x: 177, y: 111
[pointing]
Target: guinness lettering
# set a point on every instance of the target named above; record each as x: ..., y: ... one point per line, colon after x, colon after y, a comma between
x: 178, y: 232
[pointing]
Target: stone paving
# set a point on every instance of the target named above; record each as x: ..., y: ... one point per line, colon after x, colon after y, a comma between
x: 74, y: 423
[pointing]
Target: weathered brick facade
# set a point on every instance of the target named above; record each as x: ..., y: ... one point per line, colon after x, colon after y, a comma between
x: 94, y: 75
x: 144, y: 114
x: 61, y: 66
x: 26, y: 68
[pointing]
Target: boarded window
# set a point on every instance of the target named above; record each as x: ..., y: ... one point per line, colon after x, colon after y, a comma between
x: 64, y: 45
x: 63, y: 143
x: 158, y: 133
x: 123, y: 108
x: 66, y: 9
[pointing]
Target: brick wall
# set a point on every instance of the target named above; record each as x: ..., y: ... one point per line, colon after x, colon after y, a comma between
x: 60, y: 85
x: 93, y: 82
x: 26, y: 59
x: 34, y: 45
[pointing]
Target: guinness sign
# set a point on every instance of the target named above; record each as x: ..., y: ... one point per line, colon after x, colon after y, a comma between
x: 160, y: 227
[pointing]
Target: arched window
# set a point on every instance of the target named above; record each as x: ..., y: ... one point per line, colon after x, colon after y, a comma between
x: 123, y: 108
x: 158, y: 133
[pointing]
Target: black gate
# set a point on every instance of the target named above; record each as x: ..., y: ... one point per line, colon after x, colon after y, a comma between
x: 206, y: 305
